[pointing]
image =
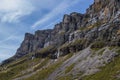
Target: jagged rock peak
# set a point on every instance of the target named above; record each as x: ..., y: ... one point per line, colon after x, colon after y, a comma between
x: 28, y: 36
x: 96, y: 1
x: 43, y: 31
x: 73, y: 17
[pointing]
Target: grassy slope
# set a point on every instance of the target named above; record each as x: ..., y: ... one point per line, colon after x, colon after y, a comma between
x: 44, y: 73
x: 15, y: 68
x: 41, y: 75
x: 108, y: 72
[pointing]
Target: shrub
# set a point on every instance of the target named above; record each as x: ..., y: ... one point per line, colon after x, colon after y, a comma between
x: 98, y: 44
x: 45, y: 52
x: 97, y: 24
x: 73, y: 47
x: 69, y: 68
x: 118, y: 32
x: 65, y: 49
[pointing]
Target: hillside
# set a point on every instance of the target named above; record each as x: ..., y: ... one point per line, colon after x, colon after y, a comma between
x: 80, y: 47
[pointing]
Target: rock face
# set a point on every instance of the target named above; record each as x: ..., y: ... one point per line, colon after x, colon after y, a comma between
x: 77, y: 47
x: 55, y: 37
x: 33, y: 42
x: 100, y: 23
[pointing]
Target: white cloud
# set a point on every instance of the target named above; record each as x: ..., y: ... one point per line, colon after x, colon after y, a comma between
x: 13, y: 10
x: 5, y: 54
x: 8, y: 47
x: 56, y: 11
x: 12, y: 37
x: 46, y: 4
x: 52, y: 23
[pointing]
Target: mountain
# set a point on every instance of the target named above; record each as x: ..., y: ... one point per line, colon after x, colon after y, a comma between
x: 80, y: 47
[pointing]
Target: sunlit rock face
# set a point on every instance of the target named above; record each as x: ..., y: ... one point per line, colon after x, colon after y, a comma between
x: 82, y: 47
x: 101, y: 22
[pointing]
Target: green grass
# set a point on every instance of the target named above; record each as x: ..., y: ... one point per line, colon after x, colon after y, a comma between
x: 97, y: 24
x: 44, y: 73
x: 11, y: 72
x: 107, y: 72
x: 101, y: 52
x: 68, y: 77
x: 69, y: 68
x: 95, y: 49
x: 41, y: 64
x: 112, y: 47
x: 35, y: 67
x: 16, y: 63
x: 69, y: 56
x: 118, y: 51
x: 14, y: 69
x: 98, y: 44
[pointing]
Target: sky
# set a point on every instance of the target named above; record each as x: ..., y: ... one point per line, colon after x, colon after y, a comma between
x: 20, y: 16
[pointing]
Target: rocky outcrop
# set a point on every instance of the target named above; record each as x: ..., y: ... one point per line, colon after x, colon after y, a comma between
x: 56, y: 37
x: 86, y: 43
x: 101, y: 22
x: 86, y: 62
x: 32, y: 42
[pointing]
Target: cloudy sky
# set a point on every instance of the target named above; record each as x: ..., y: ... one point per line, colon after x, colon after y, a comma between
x: 20, y: 16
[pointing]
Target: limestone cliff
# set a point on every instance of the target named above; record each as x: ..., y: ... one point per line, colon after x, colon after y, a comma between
x: 80, y: 42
